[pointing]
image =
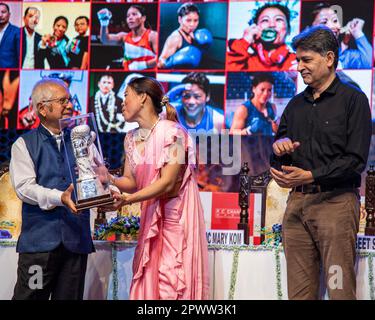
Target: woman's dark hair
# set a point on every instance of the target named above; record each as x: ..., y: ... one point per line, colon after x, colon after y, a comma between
x: 141, y: 9
x: 284, y: 9
x: 317, y: 8
x: 199, y: 79
x: 155, y: 91
x: 262, y: 77
x: 319, y: 39
x: 187, y: 8
x: 61, y: 18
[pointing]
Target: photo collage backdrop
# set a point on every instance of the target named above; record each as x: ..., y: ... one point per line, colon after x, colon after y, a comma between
x: 225, y: 65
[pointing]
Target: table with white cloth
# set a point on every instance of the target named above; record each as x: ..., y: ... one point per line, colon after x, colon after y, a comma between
x: 237, y: 272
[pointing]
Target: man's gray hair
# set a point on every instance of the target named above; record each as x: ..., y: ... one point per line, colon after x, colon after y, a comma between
x: 44, y: 90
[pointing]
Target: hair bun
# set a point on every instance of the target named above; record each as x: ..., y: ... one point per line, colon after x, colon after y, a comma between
x: 164, y: 101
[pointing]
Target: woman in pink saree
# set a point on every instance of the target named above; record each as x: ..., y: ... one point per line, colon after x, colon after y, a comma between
x: 171, y: 258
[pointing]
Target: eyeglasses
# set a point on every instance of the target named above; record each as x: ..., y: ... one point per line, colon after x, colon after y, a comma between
x: 61, y: 101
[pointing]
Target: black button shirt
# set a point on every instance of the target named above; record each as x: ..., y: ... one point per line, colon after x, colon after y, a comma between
x: 334, y: 132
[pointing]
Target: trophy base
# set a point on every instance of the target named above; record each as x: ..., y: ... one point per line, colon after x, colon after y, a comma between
x: 370, y: 231
x: 94, y: 202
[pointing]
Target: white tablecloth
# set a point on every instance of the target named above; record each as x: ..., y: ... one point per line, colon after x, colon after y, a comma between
x: 235, y: 273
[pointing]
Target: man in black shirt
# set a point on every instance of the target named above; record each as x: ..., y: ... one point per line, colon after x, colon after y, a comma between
x: 320, y: 150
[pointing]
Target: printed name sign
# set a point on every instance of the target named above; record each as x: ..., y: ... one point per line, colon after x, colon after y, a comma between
x: 225, y: 237
x: 365, y: 243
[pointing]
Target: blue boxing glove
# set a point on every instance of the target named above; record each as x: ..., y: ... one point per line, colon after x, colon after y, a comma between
x: 176, y: 92
x: 188, y: 57
x: 203, y: 38
x: 104, y: 16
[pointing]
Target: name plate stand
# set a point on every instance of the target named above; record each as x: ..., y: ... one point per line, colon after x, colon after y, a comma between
x: 370, y: 202
x: 243, y: 201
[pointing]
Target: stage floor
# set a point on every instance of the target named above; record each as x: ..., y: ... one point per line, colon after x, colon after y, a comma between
x: 240, y: 273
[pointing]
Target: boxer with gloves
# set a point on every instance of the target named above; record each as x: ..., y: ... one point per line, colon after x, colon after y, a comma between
x: 185, y: 46
x: 139, y: 44
x: 190, y: 56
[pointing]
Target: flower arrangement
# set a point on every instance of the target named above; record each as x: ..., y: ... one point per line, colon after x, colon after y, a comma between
x: 123, y: 227
x: 272, y: 235
x: 7, y: 229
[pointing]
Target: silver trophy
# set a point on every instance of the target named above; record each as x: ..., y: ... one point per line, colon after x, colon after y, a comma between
x: 89, y: 190
x: 88, y: 186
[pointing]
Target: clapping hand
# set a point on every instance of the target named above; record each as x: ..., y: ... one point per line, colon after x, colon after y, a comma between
x: 291, y: 176
x: 284, y: 146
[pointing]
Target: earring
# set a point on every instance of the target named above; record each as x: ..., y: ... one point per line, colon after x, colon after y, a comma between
x: 142, y: 105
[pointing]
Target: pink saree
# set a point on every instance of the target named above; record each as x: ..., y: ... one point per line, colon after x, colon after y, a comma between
x: 171, y: 257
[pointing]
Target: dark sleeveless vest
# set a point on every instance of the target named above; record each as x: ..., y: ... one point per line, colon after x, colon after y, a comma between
x: 44, y: 230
